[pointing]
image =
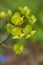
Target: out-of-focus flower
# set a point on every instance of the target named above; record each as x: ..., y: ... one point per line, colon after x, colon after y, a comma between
x: 33, y: 32
x: 22, y: 35
x: 3, y: 58
x: 2, y: 15
x: 27, y: 29
x: 17, y: 19
x: 28, y: 36
x: 16, y: 31
x: 9, y: 12
x: 18, y: 49
x: 32, y: 19
x: 9, y: 27
x: 25, y: 11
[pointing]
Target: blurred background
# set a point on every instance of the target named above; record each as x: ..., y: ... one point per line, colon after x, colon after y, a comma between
x: 33, y: 52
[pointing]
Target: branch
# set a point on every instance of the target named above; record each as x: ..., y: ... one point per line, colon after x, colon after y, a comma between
x: 5, y: 40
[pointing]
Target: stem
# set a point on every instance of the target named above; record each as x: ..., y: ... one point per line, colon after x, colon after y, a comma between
x: 9, y: 47
x: 5, y: 40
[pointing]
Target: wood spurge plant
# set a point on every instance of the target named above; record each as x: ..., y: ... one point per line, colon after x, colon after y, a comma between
x: 19, y: 25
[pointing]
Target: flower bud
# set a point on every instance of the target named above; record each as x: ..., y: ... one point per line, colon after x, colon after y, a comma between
x: 2, y: 15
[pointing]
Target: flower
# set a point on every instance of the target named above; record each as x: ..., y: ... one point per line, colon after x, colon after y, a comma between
x: 27, y: 29
x: 3, y: 58
x: 9, y: 12
x: 17, y: 19
x: 32, y: 19
x: 16, y: 31
x: 18, y: 49
x: 33, y: 32
x: 25, y: 11
x: 2, y: 14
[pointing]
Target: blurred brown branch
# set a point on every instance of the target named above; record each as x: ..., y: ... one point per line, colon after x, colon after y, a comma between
x: 5, y: 40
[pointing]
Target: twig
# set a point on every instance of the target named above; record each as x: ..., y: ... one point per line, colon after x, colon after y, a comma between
x: 5, y: 40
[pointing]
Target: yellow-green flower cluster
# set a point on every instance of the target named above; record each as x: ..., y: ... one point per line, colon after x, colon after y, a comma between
x: 9, y: 12
x: 3, y: 14
x: 20, y: 25
x: 26, y: 11
x: 17, y: 19
x: 9, y: 28
x: 18, y: 33
x: 18, y: 48
x: 32, y: 19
